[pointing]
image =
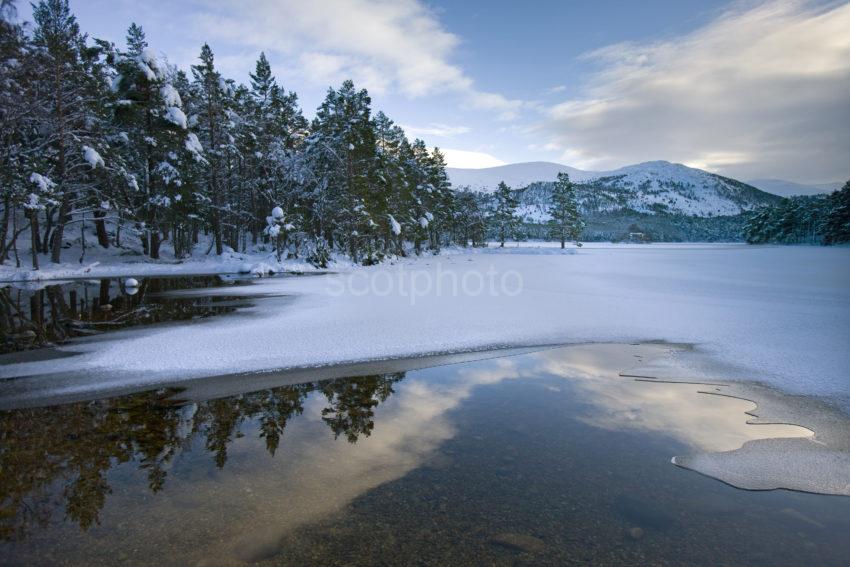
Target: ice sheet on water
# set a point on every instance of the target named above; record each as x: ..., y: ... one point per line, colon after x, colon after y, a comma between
x: 818, y: 464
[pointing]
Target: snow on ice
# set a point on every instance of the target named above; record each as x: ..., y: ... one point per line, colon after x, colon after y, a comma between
x: 750, y: 315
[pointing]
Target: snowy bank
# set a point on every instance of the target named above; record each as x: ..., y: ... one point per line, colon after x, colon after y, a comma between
x: 775, y: 314
x: 229, y: 263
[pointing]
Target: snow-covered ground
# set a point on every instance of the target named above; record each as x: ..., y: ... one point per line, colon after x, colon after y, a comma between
x: 780, y: 315
x: 106, y: 264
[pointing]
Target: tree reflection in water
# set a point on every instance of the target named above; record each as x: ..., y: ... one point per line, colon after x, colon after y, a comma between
x: 31, y: 318
x: 59, y: 457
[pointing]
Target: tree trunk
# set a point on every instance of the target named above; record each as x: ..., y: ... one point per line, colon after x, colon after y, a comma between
x: 65, y: 206
x: 155, y: 242
x: 43, y: 242
x: 219, y: 246
x: 4, y: 226
x: 34, y: 237
x: 100, y: 229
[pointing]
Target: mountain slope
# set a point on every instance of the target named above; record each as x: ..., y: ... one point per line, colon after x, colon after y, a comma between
x: 516, y: 175
x: 789, y: 188
x: 664, y: 187
x: 651, y: 187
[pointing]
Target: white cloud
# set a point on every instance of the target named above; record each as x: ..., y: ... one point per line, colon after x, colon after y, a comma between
x: 761, y: 91
x: 435, y: 130
x: 470, y: 159
x: 384, y: 45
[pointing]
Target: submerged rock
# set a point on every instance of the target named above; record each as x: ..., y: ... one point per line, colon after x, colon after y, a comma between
x: 519, y: 542
x: 642, y: 512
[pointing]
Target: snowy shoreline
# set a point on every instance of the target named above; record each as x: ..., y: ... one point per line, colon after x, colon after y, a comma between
x: 774, y: 314
x: 265, y: 263
x: 258, y: 265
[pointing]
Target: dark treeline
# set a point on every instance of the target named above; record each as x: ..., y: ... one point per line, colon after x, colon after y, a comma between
x: 803, y: 220
x: 114, y: 142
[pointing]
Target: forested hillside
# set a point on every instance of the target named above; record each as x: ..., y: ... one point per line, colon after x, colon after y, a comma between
x: 111, y: 146
x: 818, y: 219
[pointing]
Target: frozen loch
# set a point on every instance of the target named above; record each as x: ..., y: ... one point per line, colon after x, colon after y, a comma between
x: 469, y: 372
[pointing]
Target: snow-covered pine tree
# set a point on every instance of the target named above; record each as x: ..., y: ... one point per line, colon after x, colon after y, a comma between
x: 566, y: 223
x: 343, y: 150
x: 158, y: 146
x: 93, y: 132
x: 503, y: 218
x: 274, y: 125
x: 16, y: 134
x: 469, y: 218
x: 441, y: 199
x: 837, y: 224
x: 417, y: 193
x: 71, y: 117
x: 395, y: 195
x: 210, y: 99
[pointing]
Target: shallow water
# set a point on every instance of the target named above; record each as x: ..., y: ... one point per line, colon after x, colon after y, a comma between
x: 548, y: 457
x: 33, y: 314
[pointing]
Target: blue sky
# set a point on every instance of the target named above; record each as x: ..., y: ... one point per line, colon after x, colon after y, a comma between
x: 748, y: 88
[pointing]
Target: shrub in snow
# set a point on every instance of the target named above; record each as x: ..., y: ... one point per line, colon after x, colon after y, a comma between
x: 263, y: 269
x: 278, y: 231
x: 320, y: 255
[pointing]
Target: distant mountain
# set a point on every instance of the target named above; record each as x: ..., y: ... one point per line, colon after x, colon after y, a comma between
x: 652, y: 187
x: 789, y: 188
x: 515, y: 174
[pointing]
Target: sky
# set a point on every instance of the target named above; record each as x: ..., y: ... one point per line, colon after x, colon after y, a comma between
x: 749, y: 88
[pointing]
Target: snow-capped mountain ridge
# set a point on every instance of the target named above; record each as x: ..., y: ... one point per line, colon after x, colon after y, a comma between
x: 514, y: 174
x: 650, y: 187
x: 790, y: 188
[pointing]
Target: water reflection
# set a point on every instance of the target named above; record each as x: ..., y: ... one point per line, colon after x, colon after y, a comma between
x: 33, y: 315
x: 60, y: 456
x: 550, y: 456
x: 678, y: 409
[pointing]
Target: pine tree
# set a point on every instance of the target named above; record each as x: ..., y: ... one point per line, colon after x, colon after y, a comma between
x: 837, y: 223
x: 17, y: 135
x: 343, y: 155
x: 394, y: 189
x: 117, y: 136
x: 71, y: 114
x: 566, y: 223
x: 209, y: 96
x: 158, y: 146
x: 273, y: 126
x: 468, y: 222
x: 504, y: 216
